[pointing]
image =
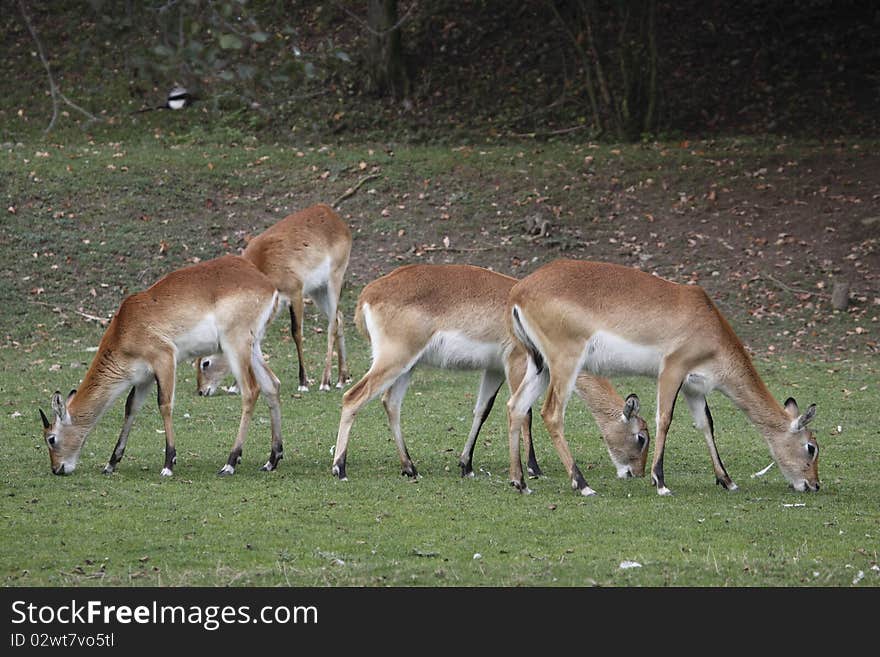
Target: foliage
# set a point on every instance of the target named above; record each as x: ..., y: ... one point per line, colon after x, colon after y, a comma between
x: 617, y: 46
x: 477, y: 69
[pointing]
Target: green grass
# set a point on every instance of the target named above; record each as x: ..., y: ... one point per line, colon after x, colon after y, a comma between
x: 81, y: 227
x: 299, y: 526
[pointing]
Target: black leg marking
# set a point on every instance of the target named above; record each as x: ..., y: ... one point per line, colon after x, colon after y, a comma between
x: 233, y: 460
x: 119, y: 450
x: 520, y: 486
x: 128, y: 402
x: 657, y: 474
x: 534, y: 469
x: 170, y: 457
x: 339, y: 467
x: 577, y: 479
x: 276, y: 455
x: 488, y: 409
x: 409, y: 469
x: 302, y: 370
x: 724, y: 481
x: 467, y: 468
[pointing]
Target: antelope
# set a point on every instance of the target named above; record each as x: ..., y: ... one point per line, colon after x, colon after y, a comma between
x: 608, y: 319
x: 305, y: 253
x: 452, y: 317
x: 217, y: 305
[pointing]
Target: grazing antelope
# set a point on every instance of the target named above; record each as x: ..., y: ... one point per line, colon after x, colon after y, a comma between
x: 608, y: 319
x: 217, y: 305
x: 452, y: 316
x: 307, y: 254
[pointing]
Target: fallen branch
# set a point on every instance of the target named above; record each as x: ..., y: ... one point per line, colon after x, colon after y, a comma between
x: 792, y: 289
x: 94, y: 318
x: 54, y: 90
x: 453, y: 249
x: 101, y: 320
x: 351, y: 191
x: 540, y: 135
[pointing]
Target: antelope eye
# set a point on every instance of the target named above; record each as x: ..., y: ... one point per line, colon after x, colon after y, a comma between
x: 812, y: 450
x: 206, y: 363
x: 51, y: 439
x: 642, y: 439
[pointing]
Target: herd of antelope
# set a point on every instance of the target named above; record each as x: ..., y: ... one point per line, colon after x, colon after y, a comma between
x: 565, y: 327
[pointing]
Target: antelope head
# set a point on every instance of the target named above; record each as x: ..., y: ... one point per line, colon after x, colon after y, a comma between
x: 797, y: 452
x: 210, y: 372
x: 63, y: 437
x: 629, y: 452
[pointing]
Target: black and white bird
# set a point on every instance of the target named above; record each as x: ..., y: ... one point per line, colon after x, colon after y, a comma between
x: 178, y: 98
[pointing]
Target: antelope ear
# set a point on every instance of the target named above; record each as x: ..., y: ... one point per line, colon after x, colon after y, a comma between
x: 631, y: 408
x: 791, y: 407
x: 70, y: 395
x: 803, y: 420
x: 58, y: 405
x: 46, y: 423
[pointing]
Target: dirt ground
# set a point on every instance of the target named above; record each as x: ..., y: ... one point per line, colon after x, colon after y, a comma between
x: 769, y: 242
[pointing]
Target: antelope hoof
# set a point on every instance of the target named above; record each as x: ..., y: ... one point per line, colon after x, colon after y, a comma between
x: 226, y: 470
x: 727, y: 484
x: 662, y: 490
x: 108, y: 469
x: 268, y: 467
x: 467, y: 470
x: 534, y: 471
x: 339, y: 472
x: 303, y: 389
x: 409, y: 471
x: 586, y: 491
x: 324, y: 387
x: 521, y: 487
x: 166, y: 472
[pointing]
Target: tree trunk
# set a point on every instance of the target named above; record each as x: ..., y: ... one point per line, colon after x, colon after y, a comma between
x: 388, y: 74
x: 617, y: 45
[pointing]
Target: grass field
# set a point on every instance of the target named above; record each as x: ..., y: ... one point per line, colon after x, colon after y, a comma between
x: 86, y: 222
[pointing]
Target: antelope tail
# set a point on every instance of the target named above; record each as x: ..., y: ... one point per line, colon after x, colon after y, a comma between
x: 522, y: 334
x: 360, y: 321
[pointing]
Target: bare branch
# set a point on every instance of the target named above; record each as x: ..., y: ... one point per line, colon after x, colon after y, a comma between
x: 54, y: 90
x: 103, y: 321
x: 352, y: 190
x: 793, y: 290
x: 368, y: 27
x: 538, y: 135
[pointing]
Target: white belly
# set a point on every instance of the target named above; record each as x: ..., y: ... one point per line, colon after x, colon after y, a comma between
x: 454, y: 350
x: 608, y: 355
x: 200, y: 340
